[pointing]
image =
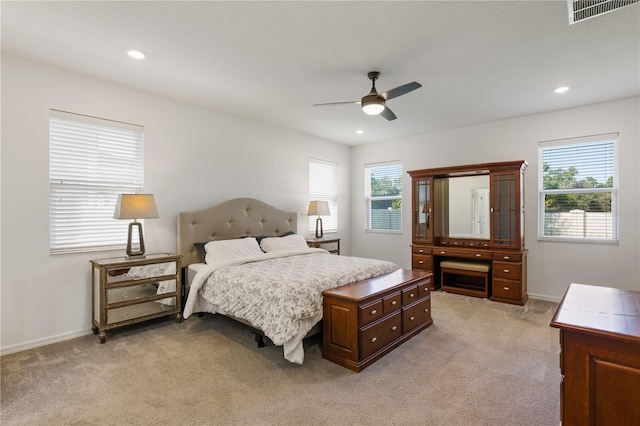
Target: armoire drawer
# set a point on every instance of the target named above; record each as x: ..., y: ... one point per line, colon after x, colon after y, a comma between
x: 424, y: 262
x: 506, y: 289
x: 507, y: 270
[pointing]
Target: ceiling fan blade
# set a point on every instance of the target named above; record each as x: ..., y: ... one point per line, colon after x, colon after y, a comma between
x: 338, y: 103
x: 401, y: 90
x: 388, y: 114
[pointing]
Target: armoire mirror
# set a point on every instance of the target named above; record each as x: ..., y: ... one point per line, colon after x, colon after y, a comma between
x: 464, y: 203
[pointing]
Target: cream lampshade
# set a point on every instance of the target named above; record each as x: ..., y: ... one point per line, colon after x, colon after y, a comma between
x: 319, y: 208
x: 135, y: 206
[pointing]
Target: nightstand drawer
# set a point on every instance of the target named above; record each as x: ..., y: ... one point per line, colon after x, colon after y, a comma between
x: 131, y: 313
x: 131, y: 293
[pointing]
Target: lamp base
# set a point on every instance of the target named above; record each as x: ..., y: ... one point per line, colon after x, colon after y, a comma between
x: 130, y: 253
x: 319, y: 232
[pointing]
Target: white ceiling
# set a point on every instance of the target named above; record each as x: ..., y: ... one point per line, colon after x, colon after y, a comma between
x: 477, y: 61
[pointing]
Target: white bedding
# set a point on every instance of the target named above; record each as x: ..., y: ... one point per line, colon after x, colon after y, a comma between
x: 278, y: 292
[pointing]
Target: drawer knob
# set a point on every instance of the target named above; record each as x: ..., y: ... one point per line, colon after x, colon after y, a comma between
x: 125, y: 315
x: 442, y: 252
x: 412, y: 318
x: 394, y: 328
x: 506, y: 258
x: 478, y: 255
x: 394, y: 302
x: 375, y: 311
x: 420, y: 251
x: 412, y: 295
x: 124, y: 295
x: 421, y: 262
x: 373, y: 340
x: 426, y: 310
x: 506, y: 288
x: 506, y: 270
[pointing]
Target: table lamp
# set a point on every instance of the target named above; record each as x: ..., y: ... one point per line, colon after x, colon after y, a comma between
x: 319, y: 208
x: 135, y: 206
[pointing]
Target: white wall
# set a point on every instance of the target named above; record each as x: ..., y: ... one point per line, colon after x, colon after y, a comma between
x: 552, y: 266
x: 194, y: 158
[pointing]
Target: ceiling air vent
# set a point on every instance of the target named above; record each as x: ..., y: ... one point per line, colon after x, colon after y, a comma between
x: 579, y: 10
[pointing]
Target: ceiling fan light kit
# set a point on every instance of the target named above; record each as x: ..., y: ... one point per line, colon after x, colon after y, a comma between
x: 373, y: 104
x: 376, y: 103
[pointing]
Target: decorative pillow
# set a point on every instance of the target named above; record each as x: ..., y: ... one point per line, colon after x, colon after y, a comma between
x: 293, y: 241
x: 231, y: 249
x: 262, y: 237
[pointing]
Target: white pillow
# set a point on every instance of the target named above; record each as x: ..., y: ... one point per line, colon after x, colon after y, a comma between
x: 295, y: 241
x: 231, y: 249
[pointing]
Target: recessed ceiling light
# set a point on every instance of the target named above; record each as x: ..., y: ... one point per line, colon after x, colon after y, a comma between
x: 359, y: 131
x: 561, y: 89
x: 136, y: 53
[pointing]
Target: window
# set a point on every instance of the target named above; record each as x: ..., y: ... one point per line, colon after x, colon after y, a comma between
x: 578, y: 185
x: 323, y: 186
x: 383, y: 192
x: 91, y: 161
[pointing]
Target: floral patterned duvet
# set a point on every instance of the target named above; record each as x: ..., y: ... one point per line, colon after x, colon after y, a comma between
x: 279, y: 290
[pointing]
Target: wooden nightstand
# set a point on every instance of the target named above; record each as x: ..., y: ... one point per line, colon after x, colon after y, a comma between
x: 332, y: 245
x: 125, y: 291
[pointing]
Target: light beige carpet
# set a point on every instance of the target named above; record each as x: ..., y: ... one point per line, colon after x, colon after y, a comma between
x: 481, y: 363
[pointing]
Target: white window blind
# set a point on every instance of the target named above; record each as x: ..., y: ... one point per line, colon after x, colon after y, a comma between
x: 91, y: 161
x: 323, y: 186
x: 383, y: 193
x: 578, y: 189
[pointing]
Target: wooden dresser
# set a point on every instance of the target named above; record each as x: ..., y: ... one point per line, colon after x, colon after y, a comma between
x: 367, y: 319
x: 600, y: 356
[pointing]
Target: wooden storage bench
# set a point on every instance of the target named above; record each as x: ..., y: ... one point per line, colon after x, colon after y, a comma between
x: 468, y: 278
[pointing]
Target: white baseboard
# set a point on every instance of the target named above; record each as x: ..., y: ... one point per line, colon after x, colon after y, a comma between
x: 44, y: 341
x: 545, y: 297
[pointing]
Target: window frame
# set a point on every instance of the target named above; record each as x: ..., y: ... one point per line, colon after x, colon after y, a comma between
x: 326, y: 191
x: 91, y: 161
x: 369, y: 198
x: 581, y: 141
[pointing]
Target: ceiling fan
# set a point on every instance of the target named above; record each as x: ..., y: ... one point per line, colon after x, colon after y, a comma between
x: 376, y: 103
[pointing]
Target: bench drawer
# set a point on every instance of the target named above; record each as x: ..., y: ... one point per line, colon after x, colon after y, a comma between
x: 378, y: 335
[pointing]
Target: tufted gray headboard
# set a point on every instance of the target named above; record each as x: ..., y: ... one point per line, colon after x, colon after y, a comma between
x: 232, y: 219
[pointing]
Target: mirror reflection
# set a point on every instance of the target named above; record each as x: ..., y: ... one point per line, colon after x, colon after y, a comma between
x: 468, y: 201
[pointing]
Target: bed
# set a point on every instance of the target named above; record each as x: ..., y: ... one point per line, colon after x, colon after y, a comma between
x: 257, y: 270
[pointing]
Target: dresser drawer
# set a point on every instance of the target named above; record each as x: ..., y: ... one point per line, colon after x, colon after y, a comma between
x: 422, y: 262
x: 392, y: 303
x: 506, y: 289
x: 507, y: 270
x: 415, y: 315
x: 378, y: 335
x: 370, y: 312
x: 409, y: 295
